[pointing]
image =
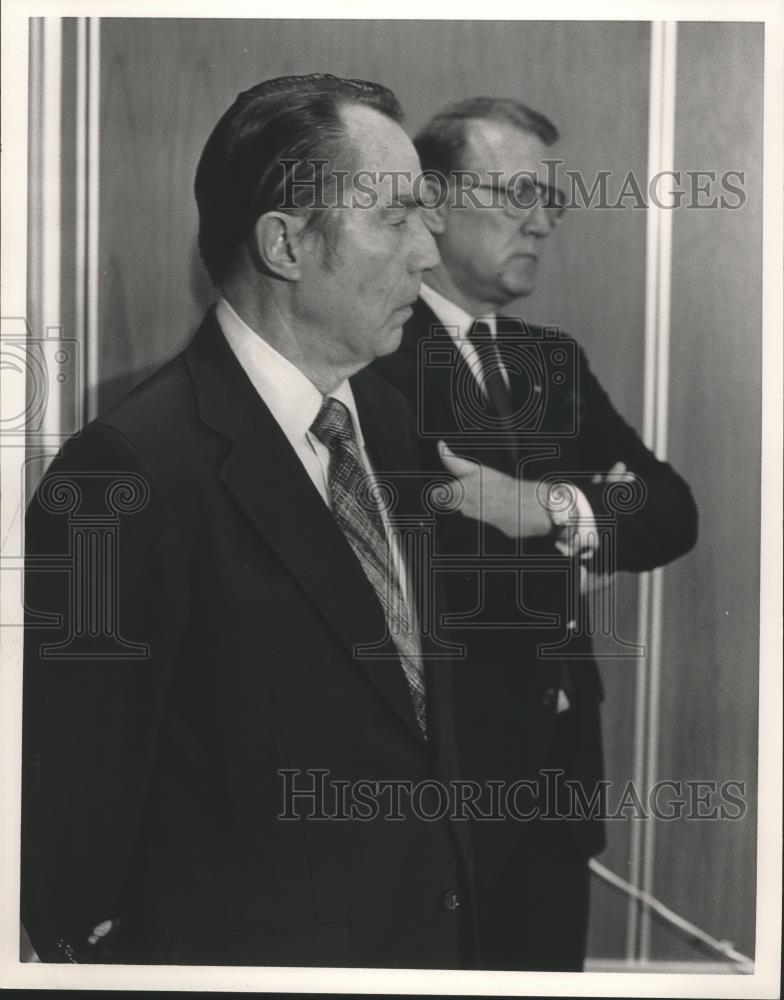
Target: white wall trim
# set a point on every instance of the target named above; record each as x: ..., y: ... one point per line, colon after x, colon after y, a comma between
x: 80, y: 194
x: 16, y: 71
x: 661, y: 134
x: 88, y: 93
x: 93, y: 208
x: 44, y: 311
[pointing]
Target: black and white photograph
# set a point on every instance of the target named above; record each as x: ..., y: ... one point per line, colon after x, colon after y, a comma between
x: 391, y: 470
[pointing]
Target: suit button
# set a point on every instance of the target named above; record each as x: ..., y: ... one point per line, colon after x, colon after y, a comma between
x: 451, y: 900
x: 548, y: 698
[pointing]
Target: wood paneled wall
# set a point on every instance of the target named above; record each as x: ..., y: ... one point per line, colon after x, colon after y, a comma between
x: 164, y: 83
x: 704, y: 868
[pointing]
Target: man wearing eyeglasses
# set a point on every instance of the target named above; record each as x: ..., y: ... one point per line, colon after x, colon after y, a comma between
x: 537, y: 454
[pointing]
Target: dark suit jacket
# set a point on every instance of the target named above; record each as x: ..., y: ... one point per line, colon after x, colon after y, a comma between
x: 224, y: 628
x: 565, y: 428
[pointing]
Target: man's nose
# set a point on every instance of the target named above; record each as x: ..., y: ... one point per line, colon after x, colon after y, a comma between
x: 537, y: 221
x: 424, y: 255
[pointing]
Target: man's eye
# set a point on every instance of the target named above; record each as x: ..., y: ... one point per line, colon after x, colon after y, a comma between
x: 525, y: 194
x: 401, y: 221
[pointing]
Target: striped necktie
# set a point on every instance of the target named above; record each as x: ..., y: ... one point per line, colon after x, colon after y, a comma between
x: 360, y: 520
x: 493, y: 382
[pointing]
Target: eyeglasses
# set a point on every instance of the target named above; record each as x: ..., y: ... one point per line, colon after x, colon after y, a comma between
x: 525, y: 195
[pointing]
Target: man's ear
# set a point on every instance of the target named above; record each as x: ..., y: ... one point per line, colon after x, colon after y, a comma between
x: 435, y: 200
x: 277, y: 244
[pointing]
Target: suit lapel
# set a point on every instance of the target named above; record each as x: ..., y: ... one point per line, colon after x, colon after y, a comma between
x: 386, y: 444
x: 268, y: 481
x: 385, y: 440
x: 438, y: 365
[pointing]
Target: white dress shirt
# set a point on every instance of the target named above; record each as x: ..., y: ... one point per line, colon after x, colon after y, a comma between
x: 458, y: 324
x: 294, y: 402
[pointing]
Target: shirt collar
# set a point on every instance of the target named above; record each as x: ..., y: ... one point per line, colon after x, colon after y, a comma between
x: 292, y: 398
x: 452, y: 315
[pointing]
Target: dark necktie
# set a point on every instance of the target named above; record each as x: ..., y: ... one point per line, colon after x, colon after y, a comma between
x: 361, y: 522
x: 493, y: 383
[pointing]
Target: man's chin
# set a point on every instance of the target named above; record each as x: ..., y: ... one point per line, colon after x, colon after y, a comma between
x: 390, y: 342
x: 521, y: 276
x: 518, y: 286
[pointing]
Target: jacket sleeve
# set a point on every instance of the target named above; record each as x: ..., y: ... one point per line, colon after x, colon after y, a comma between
x: 100, y: 586
x: 654, y: 518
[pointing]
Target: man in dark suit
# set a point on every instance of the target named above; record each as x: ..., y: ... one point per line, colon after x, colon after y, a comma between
x: 555, y: 493
x: 222, y: 637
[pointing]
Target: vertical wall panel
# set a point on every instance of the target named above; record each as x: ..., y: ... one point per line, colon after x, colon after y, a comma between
x: 164, y: 83
x: 705, y: 868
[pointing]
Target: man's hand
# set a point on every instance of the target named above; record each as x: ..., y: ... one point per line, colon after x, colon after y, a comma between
x: 490, y: 496
x: 101, y: 930
x: 617, y: 474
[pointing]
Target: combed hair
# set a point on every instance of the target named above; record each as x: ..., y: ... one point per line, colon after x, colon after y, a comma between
x: 241, y: 175
x: 441, y: 143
